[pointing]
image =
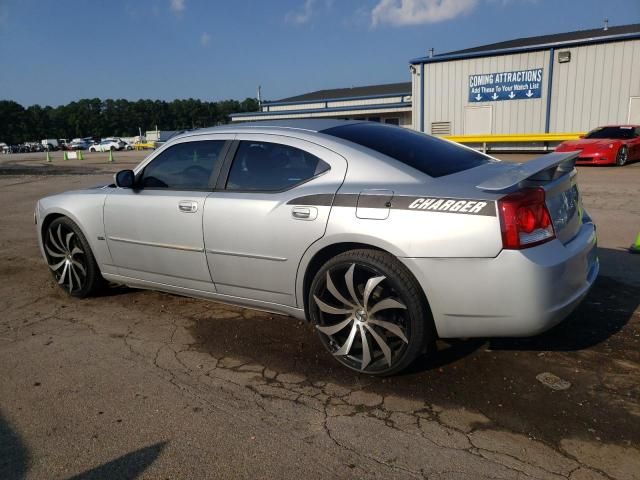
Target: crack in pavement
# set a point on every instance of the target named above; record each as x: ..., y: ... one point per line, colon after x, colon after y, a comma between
x: 163, y: 342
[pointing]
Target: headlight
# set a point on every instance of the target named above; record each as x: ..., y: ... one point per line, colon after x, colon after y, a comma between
x: 604, y: 147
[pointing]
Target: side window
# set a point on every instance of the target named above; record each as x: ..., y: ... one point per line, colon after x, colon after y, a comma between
x: 264, y: 166
x: 185, y: 166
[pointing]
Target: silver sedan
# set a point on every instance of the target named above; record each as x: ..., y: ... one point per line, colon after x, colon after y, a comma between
x: 382, y: 237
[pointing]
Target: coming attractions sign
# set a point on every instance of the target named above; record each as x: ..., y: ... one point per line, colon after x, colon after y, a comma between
x: 518, y: 85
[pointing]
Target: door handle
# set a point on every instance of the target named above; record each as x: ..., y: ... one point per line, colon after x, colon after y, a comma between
x: 304, y: 213
x: 187, y: 206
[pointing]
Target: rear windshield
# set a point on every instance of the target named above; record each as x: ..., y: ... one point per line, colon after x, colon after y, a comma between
x: 430, y: 155
x: 611, y: 132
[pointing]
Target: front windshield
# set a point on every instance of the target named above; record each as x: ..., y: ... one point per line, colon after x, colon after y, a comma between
x: 611, y: 132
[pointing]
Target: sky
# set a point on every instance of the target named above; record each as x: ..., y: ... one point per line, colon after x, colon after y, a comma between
x: 53, y: 52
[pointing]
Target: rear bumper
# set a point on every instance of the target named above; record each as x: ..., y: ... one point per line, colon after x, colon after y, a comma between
x: 519, y: 293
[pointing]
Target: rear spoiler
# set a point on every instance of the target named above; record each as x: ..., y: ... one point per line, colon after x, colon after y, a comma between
x: 542, y: 168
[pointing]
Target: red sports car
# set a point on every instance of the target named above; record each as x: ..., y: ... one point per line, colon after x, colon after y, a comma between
x: 610, y: 145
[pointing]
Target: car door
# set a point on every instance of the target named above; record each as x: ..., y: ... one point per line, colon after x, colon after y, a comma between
x: 154, y: 232
x: 263, y: 215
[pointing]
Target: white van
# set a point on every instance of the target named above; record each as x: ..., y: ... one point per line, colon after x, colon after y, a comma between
x: 50, y: 144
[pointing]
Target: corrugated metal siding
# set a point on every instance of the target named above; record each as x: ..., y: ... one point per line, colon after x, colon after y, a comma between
x: 446, y: 93
x: 343, y: 114
x: 302, y: 106
x: 592, y: 89
x: 369, y: 101
x: 595, y: 86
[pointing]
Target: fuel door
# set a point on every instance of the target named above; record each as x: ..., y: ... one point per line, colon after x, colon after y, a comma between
x: 374, y: 204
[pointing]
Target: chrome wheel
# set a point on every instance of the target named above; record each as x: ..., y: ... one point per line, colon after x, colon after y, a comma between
x: 362, y: 319
x: 66, y: 257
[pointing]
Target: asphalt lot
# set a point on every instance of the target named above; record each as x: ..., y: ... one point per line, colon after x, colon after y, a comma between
x: 137, y: 384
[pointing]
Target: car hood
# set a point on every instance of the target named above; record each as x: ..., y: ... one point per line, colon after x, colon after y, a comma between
x: 587, y: 143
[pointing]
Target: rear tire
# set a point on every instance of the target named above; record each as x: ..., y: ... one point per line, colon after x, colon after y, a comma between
x: 370, y: 312
x: 70, y: 258
x: 622, y: 156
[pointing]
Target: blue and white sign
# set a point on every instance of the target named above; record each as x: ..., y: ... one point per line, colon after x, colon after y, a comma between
x: 493, y: 87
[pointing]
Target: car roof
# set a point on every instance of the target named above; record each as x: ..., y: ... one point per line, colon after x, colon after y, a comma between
x: 308, y: 124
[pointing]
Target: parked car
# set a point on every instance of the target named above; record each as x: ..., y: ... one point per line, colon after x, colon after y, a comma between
x: 4, y: 148
x: 78, y: 144
x: 609, y: 145
x: 124, y: 145
x: 33, y: 147
x: 23, y: 148
x: 106, y: 145
x: 382, y: 237
x: 50, y: 144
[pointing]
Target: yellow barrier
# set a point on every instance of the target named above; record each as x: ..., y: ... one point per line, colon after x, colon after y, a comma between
x: 144, y: 146
x: 514, y: 138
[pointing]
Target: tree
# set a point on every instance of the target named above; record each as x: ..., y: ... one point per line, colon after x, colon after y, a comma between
x: 12, y: 121
x: 102, y: 118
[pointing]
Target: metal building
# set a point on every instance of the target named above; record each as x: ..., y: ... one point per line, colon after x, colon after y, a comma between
x: 568, y: 82
x: 389, y: 103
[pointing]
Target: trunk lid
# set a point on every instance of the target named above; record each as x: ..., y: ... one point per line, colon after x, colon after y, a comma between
x: 555, y: 173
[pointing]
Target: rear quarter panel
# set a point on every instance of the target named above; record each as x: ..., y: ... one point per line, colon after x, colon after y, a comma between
x: 407, y: 232
x: 411, y: 230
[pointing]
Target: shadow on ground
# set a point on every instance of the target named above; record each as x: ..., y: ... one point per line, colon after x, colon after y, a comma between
x: 494, y: 376
x: 126, y: 467
x: 14, y: 459
x: 14, y: 456
x: 45, y: 169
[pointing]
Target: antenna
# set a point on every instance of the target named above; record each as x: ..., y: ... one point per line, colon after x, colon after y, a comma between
x: 259, y: 97
x: 606, y: 24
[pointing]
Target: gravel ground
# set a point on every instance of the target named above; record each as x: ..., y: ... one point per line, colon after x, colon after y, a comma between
x: 137, y: 384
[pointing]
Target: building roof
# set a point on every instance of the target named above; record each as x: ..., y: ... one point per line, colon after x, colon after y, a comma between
x: 557, y: 40
x: 399, y: 106
x: 388, y: 89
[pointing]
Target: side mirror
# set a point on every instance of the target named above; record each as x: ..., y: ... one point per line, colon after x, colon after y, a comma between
x: 125, y: 179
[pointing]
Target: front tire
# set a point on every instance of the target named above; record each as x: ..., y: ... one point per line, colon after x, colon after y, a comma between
x: 70, y: 258
x: 369, y: 312
x: 622, y: 156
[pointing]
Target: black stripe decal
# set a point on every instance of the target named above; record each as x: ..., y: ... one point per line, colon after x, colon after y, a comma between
x: 319, y: 200
x: 375, y: 201
x: 464, y: 206
x: 346, y: 200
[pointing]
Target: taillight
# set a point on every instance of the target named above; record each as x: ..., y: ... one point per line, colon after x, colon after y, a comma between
x: 524, y: 219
